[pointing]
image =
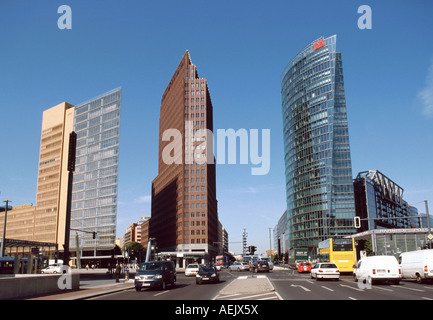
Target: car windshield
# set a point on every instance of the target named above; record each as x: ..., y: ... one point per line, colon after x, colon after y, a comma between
x: 206, y: 269
x: 328, y: 265
x: 150, y: 266
x: 192, y: 266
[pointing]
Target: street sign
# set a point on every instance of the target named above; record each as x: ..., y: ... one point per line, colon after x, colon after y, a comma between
x: 430, y: 236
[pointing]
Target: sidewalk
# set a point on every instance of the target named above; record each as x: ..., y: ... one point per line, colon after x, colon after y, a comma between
x: 93, y: 283
x: 89, y: 292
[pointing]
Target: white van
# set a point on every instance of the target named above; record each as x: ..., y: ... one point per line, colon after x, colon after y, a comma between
x: 417, y: 265
x: 378, y: 268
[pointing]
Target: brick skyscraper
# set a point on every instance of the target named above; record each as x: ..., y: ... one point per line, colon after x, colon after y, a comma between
x: 184, y: 206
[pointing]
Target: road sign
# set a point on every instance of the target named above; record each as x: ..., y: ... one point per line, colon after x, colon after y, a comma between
x: 430, y: 236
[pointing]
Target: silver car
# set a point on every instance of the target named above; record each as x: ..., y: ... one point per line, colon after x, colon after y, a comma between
x: 239, y: 266
x: 53, y: 268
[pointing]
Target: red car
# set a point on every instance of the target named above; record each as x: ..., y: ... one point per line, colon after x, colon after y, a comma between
x: 304, y: 267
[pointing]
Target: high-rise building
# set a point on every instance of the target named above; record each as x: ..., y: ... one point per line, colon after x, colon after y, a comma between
x: 94, y: 194
x: 94, y: 197
x: 184, y: 206
x: 379, y: 203
x: 318, y: 170
x: 52, y: 186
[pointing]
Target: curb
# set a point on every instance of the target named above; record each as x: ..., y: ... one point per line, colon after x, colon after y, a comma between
x: 96, y: 294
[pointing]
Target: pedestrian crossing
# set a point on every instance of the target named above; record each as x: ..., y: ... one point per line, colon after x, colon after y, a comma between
x: 249, y: 287
x: 252, y: 296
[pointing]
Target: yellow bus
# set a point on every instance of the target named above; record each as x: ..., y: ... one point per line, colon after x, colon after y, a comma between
x: 339, y: 251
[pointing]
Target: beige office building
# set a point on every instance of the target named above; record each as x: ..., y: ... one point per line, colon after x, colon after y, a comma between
x: 94, y: 193
x: 45, y: 222
x: 52, y: 186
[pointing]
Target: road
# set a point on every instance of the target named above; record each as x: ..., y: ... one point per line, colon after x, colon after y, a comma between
x: 288, y: 285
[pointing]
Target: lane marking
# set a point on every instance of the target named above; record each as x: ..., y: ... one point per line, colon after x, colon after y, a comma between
x: 302, y: 287
x: 357, y: 289
x: 383, y: 289
x: 327, y: 288
x: 158, y: 294
x: 403, y: 287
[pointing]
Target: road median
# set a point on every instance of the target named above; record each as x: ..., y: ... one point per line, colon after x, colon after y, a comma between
x: 248, y: 285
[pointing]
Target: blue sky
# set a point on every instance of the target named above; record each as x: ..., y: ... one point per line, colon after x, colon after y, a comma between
x: 241, y: 47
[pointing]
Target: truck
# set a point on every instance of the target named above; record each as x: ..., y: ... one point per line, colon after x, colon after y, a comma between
x: 296, y: 255
x: 220, y: 261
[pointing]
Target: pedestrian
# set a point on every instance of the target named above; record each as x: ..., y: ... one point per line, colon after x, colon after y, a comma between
x: 118, y: 269
x: 126, y: 272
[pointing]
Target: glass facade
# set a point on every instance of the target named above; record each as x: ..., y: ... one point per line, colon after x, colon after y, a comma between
x: 394, y: 241
x: 380, y: 200
x: 318, y: 169
x: 94, y: 197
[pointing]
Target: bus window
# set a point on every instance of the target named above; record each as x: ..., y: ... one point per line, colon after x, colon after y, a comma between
x: 342, y: 245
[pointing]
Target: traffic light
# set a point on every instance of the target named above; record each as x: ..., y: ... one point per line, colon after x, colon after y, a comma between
x: 94, y: 234
x: 252, y: 249
x: 357, y: 222
x: 72, y: 151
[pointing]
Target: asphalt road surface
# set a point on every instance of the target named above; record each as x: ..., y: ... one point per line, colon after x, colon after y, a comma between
x: 288, y: 285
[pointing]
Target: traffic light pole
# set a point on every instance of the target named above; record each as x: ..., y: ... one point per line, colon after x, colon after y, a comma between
x: 428, y: 223
x: 71, y: 169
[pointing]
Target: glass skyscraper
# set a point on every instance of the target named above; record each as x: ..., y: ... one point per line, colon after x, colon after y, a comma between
x: 94, y: 197
x: 318, y: 169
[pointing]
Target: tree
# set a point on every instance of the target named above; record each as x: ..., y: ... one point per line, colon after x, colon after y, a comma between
x: 368, y: 247
x: 133, y: 249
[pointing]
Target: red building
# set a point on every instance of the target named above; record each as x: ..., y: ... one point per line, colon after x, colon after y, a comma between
x: 184, y: 206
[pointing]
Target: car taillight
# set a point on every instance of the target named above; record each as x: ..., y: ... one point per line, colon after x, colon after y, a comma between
x: 399, y: 271
x: 425, y: 269
x: 374, y: 271
x: 320, y: 270
x: 337, y: 270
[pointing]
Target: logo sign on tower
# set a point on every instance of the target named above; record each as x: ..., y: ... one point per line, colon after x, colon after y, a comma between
x: 319, y: 44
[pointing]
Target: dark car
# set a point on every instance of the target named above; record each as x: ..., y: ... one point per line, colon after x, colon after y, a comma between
x: 207, y: 274
x: 260, y: 265
x: 155, y: 274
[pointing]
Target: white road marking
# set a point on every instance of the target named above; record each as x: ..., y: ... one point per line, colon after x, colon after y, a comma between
x: 357, y: 289
x: 327, y: 288
x: 302, y: 287
x: 158, y: 294
x: 403, y: 287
